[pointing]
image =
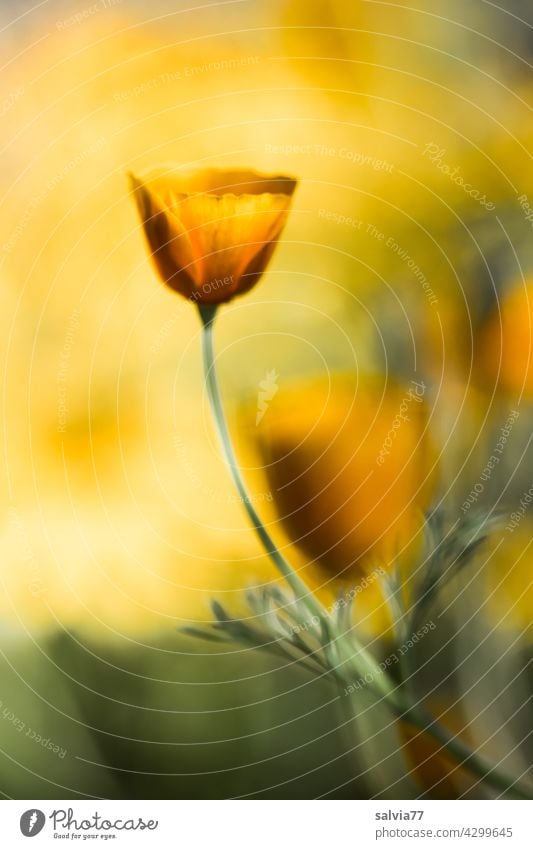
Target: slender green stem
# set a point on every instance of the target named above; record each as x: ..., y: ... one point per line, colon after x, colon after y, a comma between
x: 299, y: 588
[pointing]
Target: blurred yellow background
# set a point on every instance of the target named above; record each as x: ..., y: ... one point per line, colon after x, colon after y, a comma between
x: 410, y: 132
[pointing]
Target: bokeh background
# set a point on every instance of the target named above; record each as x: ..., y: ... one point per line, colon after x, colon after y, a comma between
x: 407, y: 258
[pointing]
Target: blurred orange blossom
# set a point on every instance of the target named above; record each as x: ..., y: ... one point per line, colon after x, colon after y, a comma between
x: 349, y: 487
x: 506, y: 349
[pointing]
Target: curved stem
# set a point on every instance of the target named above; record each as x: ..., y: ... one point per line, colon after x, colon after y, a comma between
x: 299, y: 588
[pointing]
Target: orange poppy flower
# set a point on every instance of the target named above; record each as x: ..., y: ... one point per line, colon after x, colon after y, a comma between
x: 352, y: 470
x: 211, y: 234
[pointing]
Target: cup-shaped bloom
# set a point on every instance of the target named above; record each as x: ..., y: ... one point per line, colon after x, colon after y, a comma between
x: 212, y: 233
